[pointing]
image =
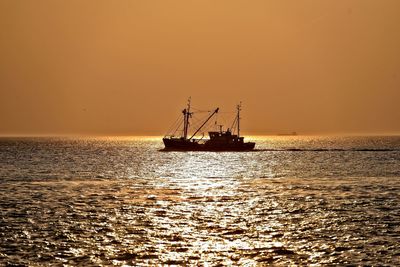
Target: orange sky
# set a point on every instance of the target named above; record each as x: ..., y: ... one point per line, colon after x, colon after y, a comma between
x: 127, y: 67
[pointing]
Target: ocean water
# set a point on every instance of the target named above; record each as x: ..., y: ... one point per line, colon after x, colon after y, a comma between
x: 123, y: 202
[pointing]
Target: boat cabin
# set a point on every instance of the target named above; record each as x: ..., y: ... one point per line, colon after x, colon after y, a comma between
x: 225, y: 137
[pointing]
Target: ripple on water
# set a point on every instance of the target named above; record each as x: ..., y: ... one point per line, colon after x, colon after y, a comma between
x: 297, y: 201
x: 259, y: 221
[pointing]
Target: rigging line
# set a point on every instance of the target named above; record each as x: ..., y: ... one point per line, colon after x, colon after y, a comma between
x: 173, y: 125
x: 178, y: 126
x: 200, y: 110
x: 210, y: 124
x: 202, y: 117
x: 202, y: 123
x: 233, y: 127
x: 225, y: 119
x: 195, y: 121
x: 199, y: 120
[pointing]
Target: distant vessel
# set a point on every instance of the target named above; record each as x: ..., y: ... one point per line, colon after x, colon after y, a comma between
x: 287, y: 134
x: 218, y: 140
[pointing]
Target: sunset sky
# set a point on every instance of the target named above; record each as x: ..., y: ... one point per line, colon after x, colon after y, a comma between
x: 127, y: 67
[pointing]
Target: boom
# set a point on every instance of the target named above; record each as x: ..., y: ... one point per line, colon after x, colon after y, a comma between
x: 215, y: 111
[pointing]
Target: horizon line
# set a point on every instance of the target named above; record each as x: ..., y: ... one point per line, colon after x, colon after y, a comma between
x: 160, y: 136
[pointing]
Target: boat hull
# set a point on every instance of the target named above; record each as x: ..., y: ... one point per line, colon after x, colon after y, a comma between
x: 178, y: 144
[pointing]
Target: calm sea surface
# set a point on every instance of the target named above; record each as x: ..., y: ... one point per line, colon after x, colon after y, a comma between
x: 121, y: 201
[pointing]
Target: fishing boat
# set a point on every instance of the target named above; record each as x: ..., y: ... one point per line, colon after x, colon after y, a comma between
x: 221, y: 140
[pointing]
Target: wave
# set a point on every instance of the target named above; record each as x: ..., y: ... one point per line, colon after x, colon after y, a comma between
x: 328, y: 149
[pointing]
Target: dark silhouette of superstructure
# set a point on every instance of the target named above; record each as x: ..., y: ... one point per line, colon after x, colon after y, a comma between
x: 218, y: 141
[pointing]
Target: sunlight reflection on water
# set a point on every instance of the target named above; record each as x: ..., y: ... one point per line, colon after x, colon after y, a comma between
x: 122, y: 202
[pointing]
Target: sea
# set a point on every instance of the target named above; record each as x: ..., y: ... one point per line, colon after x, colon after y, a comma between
x: 122, y: 201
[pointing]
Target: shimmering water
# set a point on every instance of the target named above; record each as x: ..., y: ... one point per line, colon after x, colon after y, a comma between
x: 297, y: 200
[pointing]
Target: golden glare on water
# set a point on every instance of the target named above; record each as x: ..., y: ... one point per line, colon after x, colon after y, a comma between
x: 122, y: 201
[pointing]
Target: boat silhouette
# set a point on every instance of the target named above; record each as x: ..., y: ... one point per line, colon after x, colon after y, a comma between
x: 222, y: 140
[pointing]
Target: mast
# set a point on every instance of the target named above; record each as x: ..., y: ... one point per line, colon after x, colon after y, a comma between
x: 186, y: 115
x: 212, y: 114
x: 238, y: 107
